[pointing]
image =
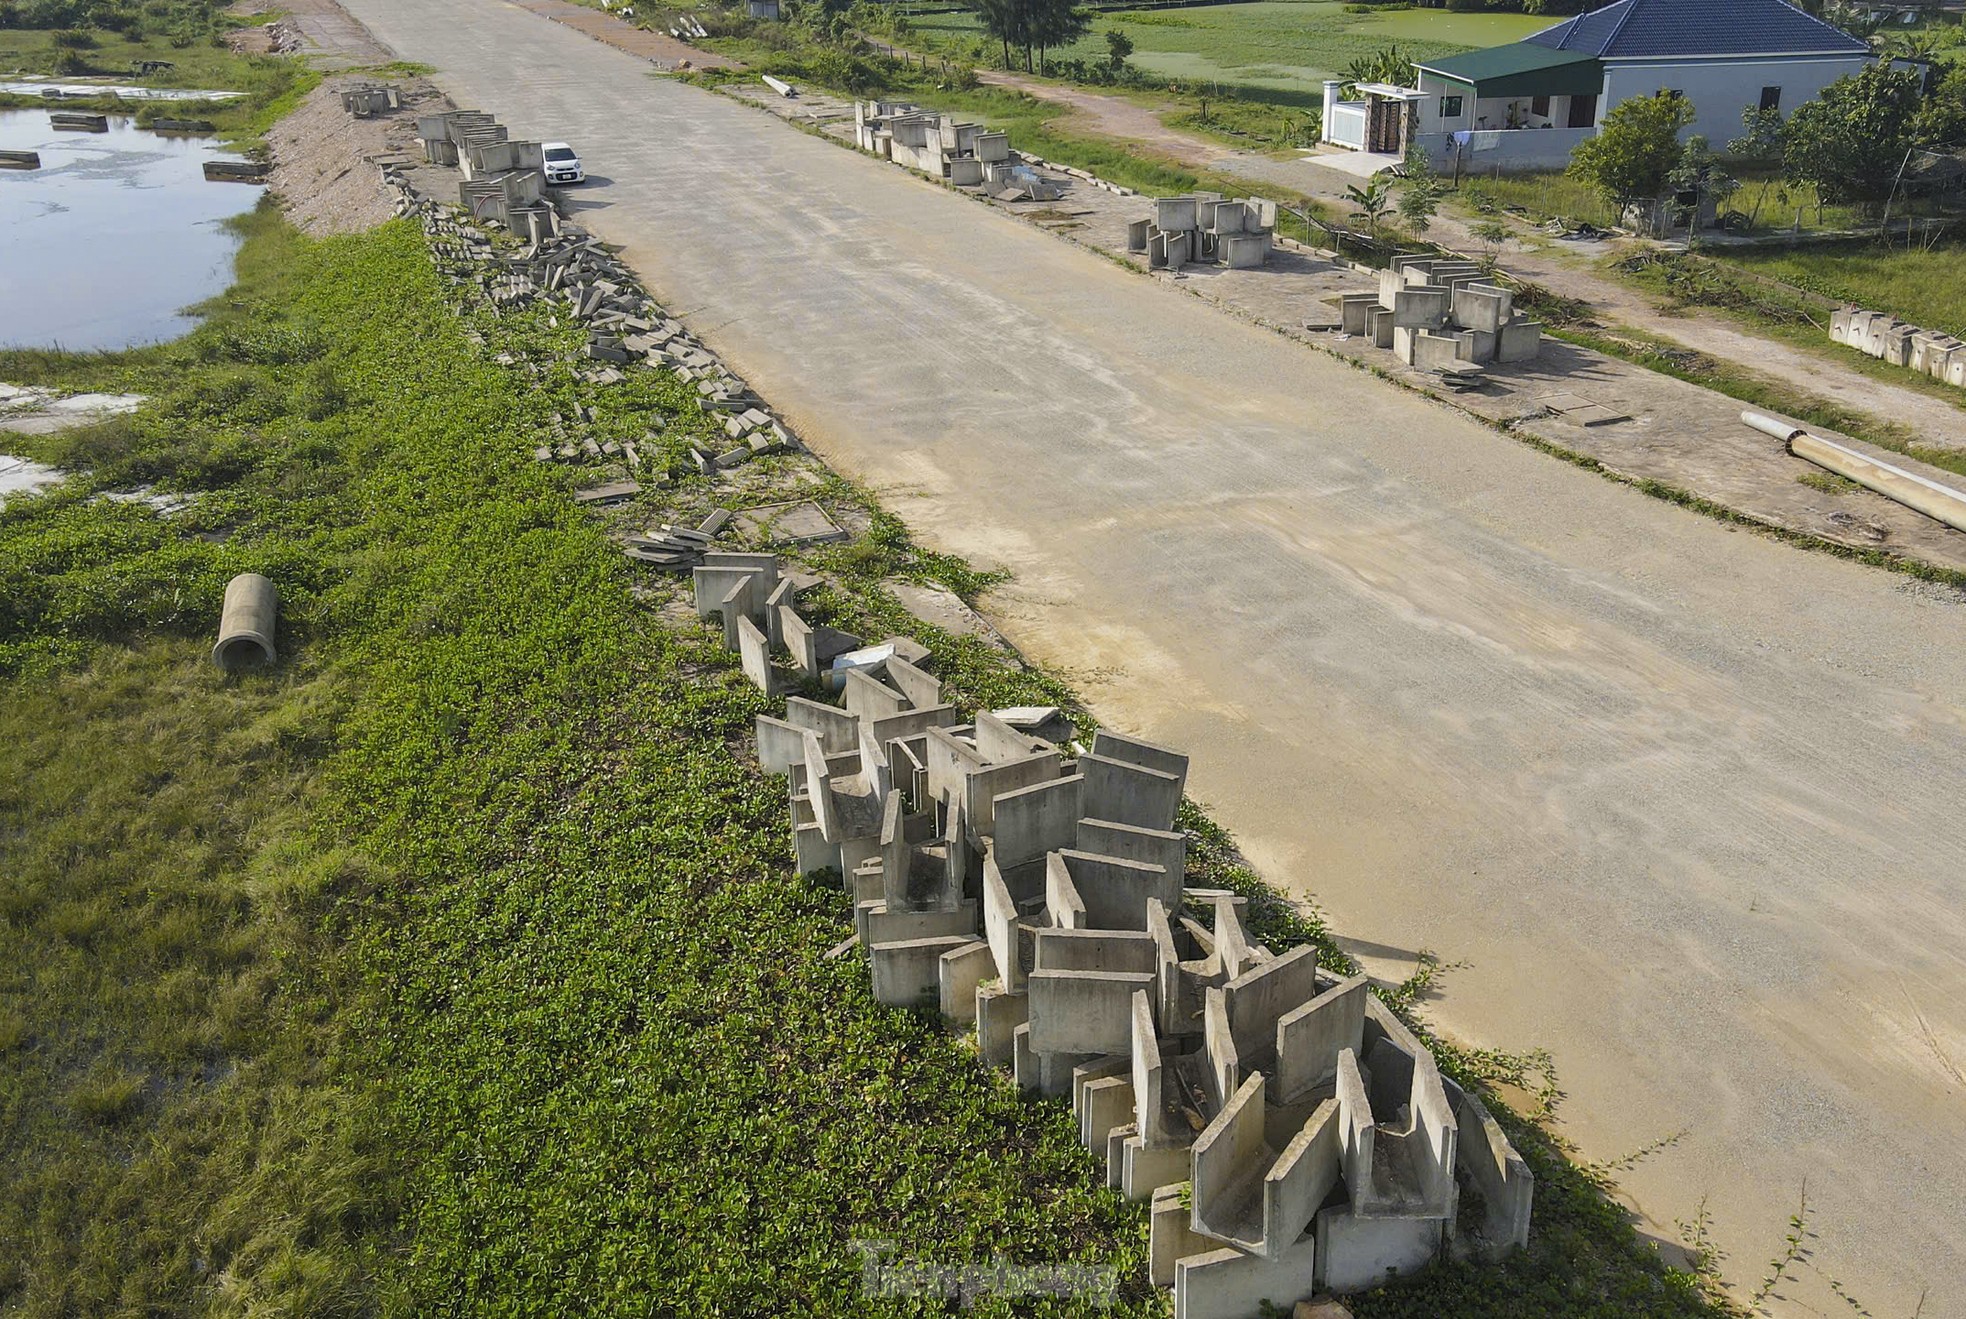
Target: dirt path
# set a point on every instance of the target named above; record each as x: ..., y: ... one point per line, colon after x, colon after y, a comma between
x: 659, y: 48
x: 329, y: 37
x: 1934, y: 419
x: 1116, y: 117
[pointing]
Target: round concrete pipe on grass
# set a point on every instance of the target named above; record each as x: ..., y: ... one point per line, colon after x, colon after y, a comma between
x: 245, y: 630
x: 1940, y: 502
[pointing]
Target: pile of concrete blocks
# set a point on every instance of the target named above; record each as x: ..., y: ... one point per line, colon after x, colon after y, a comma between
x: 367, y: 100
x: 1932, y: 353
x: 626, y: 328
x: 1205, y: 228
x: 1442, y: 316
x: 504, y: 180
x: 1289, y: 1133
x: 942, y: 147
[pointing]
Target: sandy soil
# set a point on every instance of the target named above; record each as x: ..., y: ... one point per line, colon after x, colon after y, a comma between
x: 325, y: 160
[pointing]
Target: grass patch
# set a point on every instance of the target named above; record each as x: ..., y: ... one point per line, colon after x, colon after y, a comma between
x: 195, y: 48
x: 1927, y: 288
x: 1278, y: 51
x: 1766, y: 303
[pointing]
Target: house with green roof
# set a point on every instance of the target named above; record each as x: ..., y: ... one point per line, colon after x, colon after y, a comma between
x: 1526, y: 105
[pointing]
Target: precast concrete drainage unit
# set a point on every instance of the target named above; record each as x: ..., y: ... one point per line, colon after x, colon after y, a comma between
x: 245, y: 629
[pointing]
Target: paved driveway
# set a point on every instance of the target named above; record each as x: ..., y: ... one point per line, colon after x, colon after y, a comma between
x: 1686, y: 801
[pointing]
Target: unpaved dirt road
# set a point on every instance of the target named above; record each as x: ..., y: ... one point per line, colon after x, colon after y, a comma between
x: 1685, y: 800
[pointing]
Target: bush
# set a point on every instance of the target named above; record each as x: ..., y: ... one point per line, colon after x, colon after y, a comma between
x: 74, y: 39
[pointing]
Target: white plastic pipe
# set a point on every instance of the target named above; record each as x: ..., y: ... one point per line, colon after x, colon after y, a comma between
x: 1916, y: 492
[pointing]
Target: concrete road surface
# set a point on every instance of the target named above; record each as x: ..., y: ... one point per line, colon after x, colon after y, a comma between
x: 1687, y: 802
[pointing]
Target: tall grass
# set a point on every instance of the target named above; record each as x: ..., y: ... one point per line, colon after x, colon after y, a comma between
x: 1924, y: 287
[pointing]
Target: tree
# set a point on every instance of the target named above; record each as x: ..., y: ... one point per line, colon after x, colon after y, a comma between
x: 1630, y: 157
x: 1760, y: 147
x: 1389, y: 64
x: 1371, y: 202
x: 1852, y: 141
x: 1419, y: 198
x: 1493, y: 235
x: 1942, y: 122
x: 1118, y: 47
x: 1009, y: 22
x: 1699, y: 173
x: 1056, y: 23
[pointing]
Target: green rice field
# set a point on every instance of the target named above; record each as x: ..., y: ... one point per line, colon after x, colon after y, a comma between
x: 1272, y: 50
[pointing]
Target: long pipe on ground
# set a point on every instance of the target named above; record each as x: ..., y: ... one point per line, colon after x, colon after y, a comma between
x: 245, y: 629
x: 1942, y: 502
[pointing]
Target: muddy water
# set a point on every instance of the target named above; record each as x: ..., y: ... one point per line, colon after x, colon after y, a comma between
x: 107, y: 243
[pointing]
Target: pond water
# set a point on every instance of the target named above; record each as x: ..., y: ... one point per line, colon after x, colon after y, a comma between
x: 115, y: 234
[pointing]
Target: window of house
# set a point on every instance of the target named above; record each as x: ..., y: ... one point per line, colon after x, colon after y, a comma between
x: 1771, y: 98
x: 1540, y: 106
x: 1450, y: 107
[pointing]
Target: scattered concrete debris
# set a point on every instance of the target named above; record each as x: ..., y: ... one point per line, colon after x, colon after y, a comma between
x: 1578, y: 410
x: 367, y: 100
x: 1931, y: 353
x: 603, y: 496
x: 237, y: 171
x: 1204, y: 228
x: 78, y: 121
x: 1291, y: 1135
x: 245, y: 629
x: 801, y: 523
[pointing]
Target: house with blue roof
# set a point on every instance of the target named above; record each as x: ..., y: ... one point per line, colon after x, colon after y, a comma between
x: 1527, y: 104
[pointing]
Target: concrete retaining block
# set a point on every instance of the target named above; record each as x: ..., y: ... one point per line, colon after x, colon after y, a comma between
x: 1310, y: 1037
x: 1227, y: 1284
x: 1081, y: 1012
x: 998, y: 1015
x: 962, y: 971
x: 1355, y: 1253
x: 908, y: 973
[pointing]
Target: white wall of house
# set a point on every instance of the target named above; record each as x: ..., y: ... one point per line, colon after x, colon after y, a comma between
x: 1721, y: 88
x: 1485, y: 112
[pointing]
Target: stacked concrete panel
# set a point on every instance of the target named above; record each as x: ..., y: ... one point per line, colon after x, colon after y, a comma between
x: 367, y: 100
x: 1291, y: 1135
x: 1443, y: 316
x: 504, y: 180
x: 943, y: 147
x: 1206, y: 228
x: 1931, y: 353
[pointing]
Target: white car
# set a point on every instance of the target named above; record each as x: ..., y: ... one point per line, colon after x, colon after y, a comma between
x: 562, y: 165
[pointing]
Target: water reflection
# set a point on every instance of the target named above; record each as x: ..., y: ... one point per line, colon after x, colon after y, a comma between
x: 112, y: 237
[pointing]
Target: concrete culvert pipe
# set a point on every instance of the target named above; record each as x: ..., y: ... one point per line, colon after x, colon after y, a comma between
x: 1940, y: 502
x: 245, y: 630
